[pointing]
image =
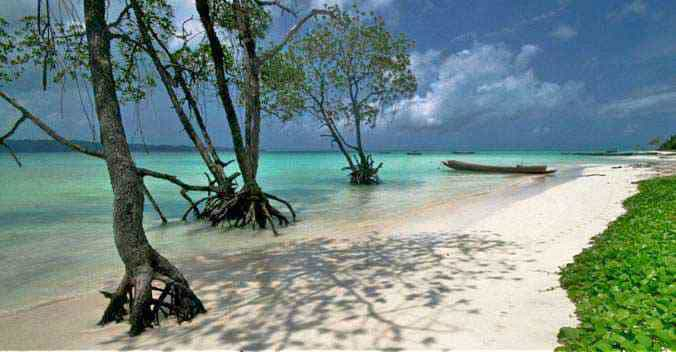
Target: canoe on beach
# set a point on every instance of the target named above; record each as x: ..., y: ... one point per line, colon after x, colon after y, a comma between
x: 519, y: 169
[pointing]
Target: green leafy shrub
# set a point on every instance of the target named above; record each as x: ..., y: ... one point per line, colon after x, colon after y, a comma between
x: 624, y: 285
x: 670, y: 144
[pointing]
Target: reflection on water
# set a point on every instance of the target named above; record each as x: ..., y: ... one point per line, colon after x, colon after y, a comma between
x: 55, y: 222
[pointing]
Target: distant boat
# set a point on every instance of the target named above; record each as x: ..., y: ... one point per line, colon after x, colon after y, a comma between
x: 519, y: 169
x: 414, y: 153
x: 462, y: 152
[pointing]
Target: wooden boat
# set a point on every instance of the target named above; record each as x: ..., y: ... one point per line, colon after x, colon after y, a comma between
x: 414, y: 153
x: 519, y: 169
x: 462, y: 152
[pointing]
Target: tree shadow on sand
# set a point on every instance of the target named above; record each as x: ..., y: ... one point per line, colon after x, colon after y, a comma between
x: 381, y: 292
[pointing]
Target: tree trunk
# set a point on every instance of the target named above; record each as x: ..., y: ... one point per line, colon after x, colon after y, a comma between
x: 357, y: 132
x: 252, y: 89
x: 225, y: 184
x: 365, y: 172
x: 338, y: 138
x: 250, y: 205
x: 218, y: 58
x: 142, y: 263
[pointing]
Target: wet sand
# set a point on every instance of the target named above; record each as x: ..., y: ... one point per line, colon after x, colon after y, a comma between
x: 481, y: 274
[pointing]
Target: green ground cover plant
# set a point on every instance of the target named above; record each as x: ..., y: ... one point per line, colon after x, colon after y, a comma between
x: 623, y: 285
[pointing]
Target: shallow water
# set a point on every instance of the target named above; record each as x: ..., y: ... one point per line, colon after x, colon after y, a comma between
x: 55, y: 212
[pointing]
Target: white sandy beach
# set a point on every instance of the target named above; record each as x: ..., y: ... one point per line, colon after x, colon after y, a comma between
x: 480, y: 276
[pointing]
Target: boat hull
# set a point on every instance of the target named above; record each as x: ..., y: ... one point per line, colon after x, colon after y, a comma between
x: 463, y: 166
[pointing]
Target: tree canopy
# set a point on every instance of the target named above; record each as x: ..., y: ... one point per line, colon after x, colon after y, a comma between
x: 355, y: 64
x: 355, y: 71
x: 669, y: 144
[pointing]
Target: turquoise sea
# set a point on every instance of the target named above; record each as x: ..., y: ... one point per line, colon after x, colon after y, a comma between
x: 55, y: 212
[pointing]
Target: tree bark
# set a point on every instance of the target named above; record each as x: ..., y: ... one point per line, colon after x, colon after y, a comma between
x: 364, y: 171
x: 338, y: 138
x: 142, y: 263
x: 250, y: 205
x: 252, y: 90
x: 356, y: 115
x: 218, y: 57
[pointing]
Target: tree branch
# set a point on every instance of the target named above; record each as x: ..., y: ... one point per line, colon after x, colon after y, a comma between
x: 193, y: 206
x: 9, y: 134
x: 13, y: 129
x: 173, y: 179
x: 192, y: 102
x: 78, y: 148
x: 277, y: 4
x: 294, y: 30
x: 154, y: 203
x: 121, y: 17
x: 169, y: 83
x: 11, y: 152
x: 43, y: 126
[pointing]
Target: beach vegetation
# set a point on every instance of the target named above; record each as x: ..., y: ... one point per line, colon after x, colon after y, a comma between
x: 669, y: 144
x: 623, y: 285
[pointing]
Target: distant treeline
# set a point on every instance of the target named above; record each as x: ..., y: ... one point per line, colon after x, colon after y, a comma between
x: 50, y: 146
x: 670, y: 144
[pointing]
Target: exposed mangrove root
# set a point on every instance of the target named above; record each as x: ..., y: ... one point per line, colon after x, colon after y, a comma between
x: 225, y: 188
x: 145, y: 303
x: 250, y: 206
x: 219, y: 194
x: 363, y: 171
x: 153, y: 202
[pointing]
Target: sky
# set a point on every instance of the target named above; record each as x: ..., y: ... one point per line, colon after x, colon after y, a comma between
x: 492, y: 74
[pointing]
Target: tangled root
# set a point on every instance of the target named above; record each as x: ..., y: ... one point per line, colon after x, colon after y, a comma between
x: 147, y: 304
x: 364, y: 172
x: 250, y: 206
x: 364, y: 177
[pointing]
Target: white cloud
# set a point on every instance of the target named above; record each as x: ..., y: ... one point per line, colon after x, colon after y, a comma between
x: 564, y: 32
x: 662, y: 102
x: 634, y: 8
x: 528, y: 52
x: 637, y: 7
x: 425, y: 66
x: 480, y: 84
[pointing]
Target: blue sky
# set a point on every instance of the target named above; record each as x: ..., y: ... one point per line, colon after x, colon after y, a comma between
x: 492, y: 74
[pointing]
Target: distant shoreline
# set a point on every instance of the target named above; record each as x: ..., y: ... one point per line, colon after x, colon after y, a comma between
x: 51, y: 146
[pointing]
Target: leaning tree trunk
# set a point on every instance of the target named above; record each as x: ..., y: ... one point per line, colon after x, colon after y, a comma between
x: 362, y: 170
x: 225, y: 185
x: 143, y: 265
x: 249, y: 206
